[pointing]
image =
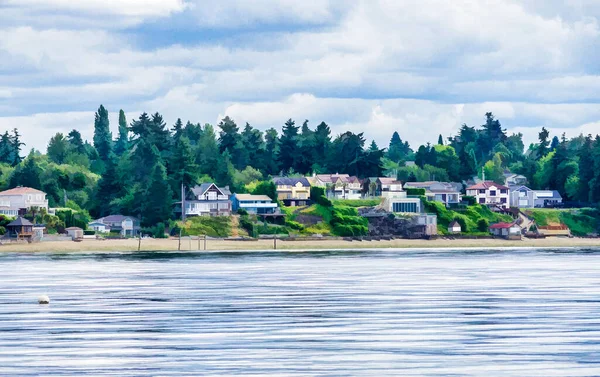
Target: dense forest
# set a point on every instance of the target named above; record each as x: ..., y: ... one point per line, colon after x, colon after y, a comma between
x: 140, y: 170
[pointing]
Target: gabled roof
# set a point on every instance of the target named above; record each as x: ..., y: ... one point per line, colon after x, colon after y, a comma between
x: 520, y: 188
x: 21, y: 191
x: 486, y: 185
x: 244, y: 197
x: 289, y: 181
x: 547, y: 194
x: 453, y: 224
x: 204, y: 187
x: 502, y: 225
x: 20, y: 221
x: 73, y: 228
x: 115, y: 219
x: 388, y: 181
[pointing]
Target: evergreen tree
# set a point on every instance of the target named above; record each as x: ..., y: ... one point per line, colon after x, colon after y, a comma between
x: 228, y: 136
x: 193, y: 132
x: 183, y: 165
x: 555, y: 143
x: 254, y: 144
x: 270, y: 162
x: 586, y: 169
x: 440, y: 140
x: 58, y: 148
x: 208, y: 156
x: 322, y: 139
x: 102, y: 134
x: 28, y: 174
x: 396, y: 149
x: 109, y: 189
x: 177, y: 130
x: 76, y: 142
x: 158, y: 199
x: 289, y: 153
x: 307, y: 146
x: 542, y: 149
x: 122, y: 143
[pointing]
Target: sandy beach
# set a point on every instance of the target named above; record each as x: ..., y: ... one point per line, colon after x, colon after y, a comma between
x: 226, y: 245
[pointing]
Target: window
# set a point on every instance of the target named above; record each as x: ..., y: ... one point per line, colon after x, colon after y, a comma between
x: 503, y: 191
x: 481, y: 200
x: 482, y: 191
x: 404, y: 207
x: 493, y: 193
x: 212, y: 195
x: 503, y: 200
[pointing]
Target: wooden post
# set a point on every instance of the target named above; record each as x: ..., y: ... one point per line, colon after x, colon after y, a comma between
x: 179, y: 245
x: 205, y: 242
x: 139, y: 241
x: 274, y: 242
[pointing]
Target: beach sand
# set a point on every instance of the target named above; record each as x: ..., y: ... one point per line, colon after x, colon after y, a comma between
x: 226, y: 245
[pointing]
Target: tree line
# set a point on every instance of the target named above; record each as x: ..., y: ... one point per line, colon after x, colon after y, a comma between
x: 139, y: 171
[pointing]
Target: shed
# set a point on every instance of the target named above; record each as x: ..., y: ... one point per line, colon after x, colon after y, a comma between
x: 454, y: 227
x: 75, y: 232
x: 20, y: 228
x: 506, y: 230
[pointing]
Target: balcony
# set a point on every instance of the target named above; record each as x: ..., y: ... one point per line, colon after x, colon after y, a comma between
x: 257, y: 205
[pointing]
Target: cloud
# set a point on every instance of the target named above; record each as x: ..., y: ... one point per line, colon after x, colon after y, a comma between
x: 112, y: 7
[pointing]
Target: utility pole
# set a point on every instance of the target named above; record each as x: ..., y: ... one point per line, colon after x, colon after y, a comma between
x: 182, y: 202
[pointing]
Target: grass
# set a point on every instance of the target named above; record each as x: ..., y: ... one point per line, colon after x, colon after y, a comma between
x: 357, y: 202
x: 217, y: 226
x: 582, y: 222
x: 470, y: 216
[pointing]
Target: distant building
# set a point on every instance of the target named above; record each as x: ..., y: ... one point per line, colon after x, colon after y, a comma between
x: 256, y: 204
x: 555, y: 230
x: 338, y: 186
x: 98, y: 227
x: 444, y: 192
x: 381, y: 186
x: 399, y: 202
x: 506, y: 230
x: 454, y: 227
x: 547, y: 198
x: 524, y: 197
x: 490, y: 193
x: 126, y: 226
x: 293, y: 191
x: 511, y: 179
x: 75, y: 233
x: 17, y: 201
x: 207, y: 199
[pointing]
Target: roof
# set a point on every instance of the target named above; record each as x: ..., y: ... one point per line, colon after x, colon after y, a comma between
x: 337, y: 178
x: 547, y: 194
x: 502, y: 225
x: 203, y: 188
x: 115, y: 219
x: 96, y: 223
x: 486, y: 185
x: 389, y: 181
x: 453, y: 224
x: 554, y: 227
x: 289, y: 181
x: 20, y: 221
x: 243, y: 197
x: 73, y: 228
x: 21, y: 191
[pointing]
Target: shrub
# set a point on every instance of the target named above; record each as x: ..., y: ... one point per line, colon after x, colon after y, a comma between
x: 344, y: 211
x: 242, y: 212
x: 322, y: 200
x: 89, y: 232
x: 413, y: 191
x: 156, y: 231
x: 294, y: 225
x: 248, y: 226
x: 2, y: 230
x: 316, y: 193
x: 469, y: 200
x: 357, y: 202
x: 483, y: 225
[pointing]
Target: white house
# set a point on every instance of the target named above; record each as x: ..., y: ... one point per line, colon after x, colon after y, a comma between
x: 98, y: 227
x: 490, y: 193
x: 338, y: 186
x: 524, y: 197
x: 20, y: 199
x: 207, y: 200
x: 454, y: 227
x: 257, y: 204
x: 444, y: 192
x: 400, y: 203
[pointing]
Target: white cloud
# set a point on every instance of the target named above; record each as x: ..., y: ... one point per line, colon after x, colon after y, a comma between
x: 116, y: 7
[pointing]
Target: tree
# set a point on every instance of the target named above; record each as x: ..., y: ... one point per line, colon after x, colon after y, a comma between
x: 289, y: 153
x: 440, y: 140
x: 307, y: 146
x: 322, y: 138
x: 542, y: 149
x: 157, y: 204
x: 555, y: 143
x: 109, y: 189
x: 586, y: 169
x: 122, y: 143
x: 228, y: 136
x: 207, y: 155
x: 270, y: 162
x: 58, y: 147
x: 76, y: 142
x: 493, y: 170
x: 102, y: 134
x: 28, y: 173
x: 182, y: 166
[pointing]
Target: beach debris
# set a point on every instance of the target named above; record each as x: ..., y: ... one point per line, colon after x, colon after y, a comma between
x: 43, y: 300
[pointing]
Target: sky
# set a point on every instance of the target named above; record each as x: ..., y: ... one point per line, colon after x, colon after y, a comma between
x: 419, y: 67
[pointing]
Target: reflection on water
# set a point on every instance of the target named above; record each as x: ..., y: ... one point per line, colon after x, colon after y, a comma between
x: 376, y: 313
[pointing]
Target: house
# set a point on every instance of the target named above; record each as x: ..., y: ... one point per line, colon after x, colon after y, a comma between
x: 511, y: 179
x: 381, y: 186
x: 17, y: 201
x: 126, y: 226
x: 293, y: 191
x: 75, y: 233
x: 38, y: 231
x: 506, y: 230
x: 547, y: 198
x: 444, y: 192
x: 207, y: 199
x: 20, y: 228
x: 454, y: 227
x: 426, y: 224
x: 98, y: 227
x: 338, y: 186
x: 524, y: 197
x: 490, y: 193
x: 399, y: 202
x: 256, y: 204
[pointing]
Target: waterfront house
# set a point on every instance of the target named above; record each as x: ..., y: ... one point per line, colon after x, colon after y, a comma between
x: 126, y: 226
x: 98, y: 227
x: 256, y: 204
x: 524, y: 197
x: 293, y: 192
x: 207, y: 199
x: 490, y: 193
x: 381, y: 186
x: 75, y: 233
x: 17, y: 201
x: 506, y: 230
x: 338, y: 186
x: 399, y: 202
x: 454, y: 227
x: 448, y: 193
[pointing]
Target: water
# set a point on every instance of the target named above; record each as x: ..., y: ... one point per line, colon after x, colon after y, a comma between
x: 373, y: 313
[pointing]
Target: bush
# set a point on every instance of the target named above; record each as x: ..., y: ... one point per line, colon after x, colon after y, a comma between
x: 89, y: 232
x: 322, y: 200
x: 413, y: 191
x: 268, y: 230
x: 248, y: 226
x: 294, y: 225
x: 344, y: 211
x: 343, y: 230
x: 483, y: 225
x: 316, y: 193
x: 157, y: 231
x: 469, y: 200
x: 242, y: 212
x: 2, y: 230
x: 357, y: 202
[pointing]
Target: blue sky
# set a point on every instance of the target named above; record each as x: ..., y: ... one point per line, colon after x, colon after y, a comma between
x: 417, y: 67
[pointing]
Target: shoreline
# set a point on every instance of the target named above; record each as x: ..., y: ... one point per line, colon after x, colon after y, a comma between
x: 212, y: 245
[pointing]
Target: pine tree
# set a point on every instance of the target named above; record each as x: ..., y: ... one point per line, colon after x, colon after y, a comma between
x: 158, y: 199
x: 586, y: 169
x: 183, y: 167
x: 122, y: 143
x: 76, y: 142
x: 58, y: 147
x: 307, y: 150
x: 322, y: 146
x: 289, y: 153
x: 109, y: 189
x: 102, y: 134
x: 396, y: 149
x: 208, y: 156
x: 440, y: 140
x: 542, y: 149
x: 254, y: 143
x: 270, y: 161
x: 28, y: 173
x: 228, y: 136
x: 177, y: 130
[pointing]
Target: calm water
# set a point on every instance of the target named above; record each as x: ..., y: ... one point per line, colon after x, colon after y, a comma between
x: 376, y: 313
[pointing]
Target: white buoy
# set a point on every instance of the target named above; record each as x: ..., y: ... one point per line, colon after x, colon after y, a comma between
x: 43, y: 300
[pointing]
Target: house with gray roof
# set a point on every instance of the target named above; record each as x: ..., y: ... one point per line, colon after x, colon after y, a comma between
x: 207, y: 199
x: 293, y: 192
x: 127, y: 226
